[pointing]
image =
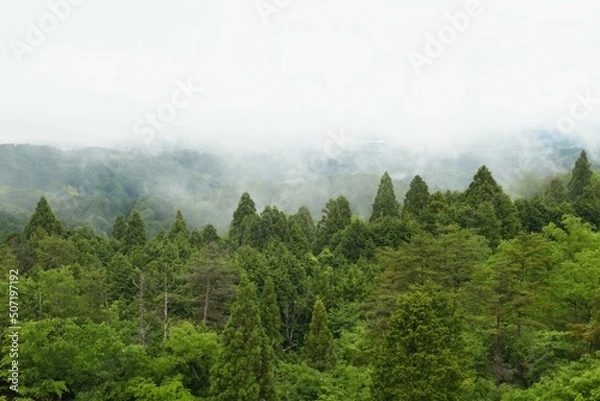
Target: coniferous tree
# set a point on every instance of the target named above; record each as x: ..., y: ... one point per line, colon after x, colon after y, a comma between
x: 356, y: 241
x: 337, y: 215
x: 135, y: 233
x: 270, y: 314
x: 581, y: 176
x: 209, y: 234
x: 319, y: 340
x: 417, y: 197
x: 43, y: 219
x: 243, y: 218
x: 385, y: 203
x: 118, y: 230
x: 489, y: 209
x: 306, y: 223
x: 419, y: 357
x: 244, y: 367
x: 179, y: 226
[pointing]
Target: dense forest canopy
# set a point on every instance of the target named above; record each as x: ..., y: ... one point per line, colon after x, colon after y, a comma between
x: 436, y: 295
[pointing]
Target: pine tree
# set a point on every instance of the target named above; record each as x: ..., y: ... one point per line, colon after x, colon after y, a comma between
x: 270, y: 314
x: 419, y: 357
x: 43, y: 219
x: 385, y: 203
x: 179, y: 227
x: 135, y: 233
x: 417, y: 197
x: 319, y: 341
x: 243, y: 218
x: 118, y: 230
x: 244, y: 367
x: 581, y: 176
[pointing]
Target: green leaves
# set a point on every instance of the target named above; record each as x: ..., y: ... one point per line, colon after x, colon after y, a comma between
x: 419, y: 357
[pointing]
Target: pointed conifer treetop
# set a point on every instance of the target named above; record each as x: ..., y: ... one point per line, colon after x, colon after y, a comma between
x: 417, y: 196
x: 385, y: 203
x: 319, y: 340
x: 179, y: 226
x: 581, y: 176
x: 244, y: 367
x: 118, y: 230
x: 242, y: 215
x: 43, y: 219
x: 135, y: 233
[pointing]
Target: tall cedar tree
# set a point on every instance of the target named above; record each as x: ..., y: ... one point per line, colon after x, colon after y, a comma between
x: 242, y: 219
x: 337, y: 215
x: 497, y: 214
x: 118, y: 230
x: 179, y: 227
x: 306, y: 223
x: 271, y: 315
x: 43, y: 219
x: 417, y: 197
x: 419, y: 357
x: 385, y: 203
x: 581, y: 176
x: 135, y: 233
x: 319, y: 340
x: 244, y: 368
x: 209, y: 234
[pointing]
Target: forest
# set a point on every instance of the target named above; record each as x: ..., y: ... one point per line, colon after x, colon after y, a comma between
x: 443, y: 295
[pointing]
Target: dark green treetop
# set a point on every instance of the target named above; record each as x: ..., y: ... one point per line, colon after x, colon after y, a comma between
x: 581, y: 176
x: 385, y: 203
x: 319, y: 340
x: 417, y: 197
x: 43, y: 219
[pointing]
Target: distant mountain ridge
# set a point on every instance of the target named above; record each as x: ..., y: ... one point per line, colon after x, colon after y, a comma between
x: 92, y: 185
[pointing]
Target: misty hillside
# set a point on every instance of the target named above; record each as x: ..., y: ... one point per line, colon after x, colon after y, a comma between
x: 91, y: 186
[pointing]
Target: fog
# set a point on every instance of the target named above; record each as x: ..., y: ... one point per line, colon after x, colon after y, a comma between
x: 275, y: 75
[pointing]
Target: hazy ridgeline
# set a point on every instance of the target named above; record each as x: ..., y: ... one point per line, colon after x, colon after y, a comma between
x: 91, y: 186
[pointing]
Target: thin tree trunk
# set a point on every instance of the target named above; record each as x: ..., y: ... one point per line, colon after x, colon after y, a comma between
x: 142, y: 330
x: 166, y: 311
x: 206, y: 301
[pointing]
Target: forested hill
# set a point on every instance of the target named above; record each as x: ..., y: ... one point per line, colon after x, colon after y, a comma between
x: 451, y: 296
x: 92, y: 186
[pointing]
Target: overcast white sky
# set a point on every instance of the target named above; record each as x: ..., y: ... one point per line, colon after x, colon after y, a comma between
x: 317, y: 65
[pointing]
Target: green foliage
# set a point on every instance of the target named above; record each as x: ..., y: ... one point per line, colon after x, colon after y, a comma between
x: 270, y: 315
x: 337, y: 215
x: 135, y: 233
x: 319, y: 341
x: 420, y: 356
x: 42, y: 221
x: 447, y: 298
x: 417, y: 197
x: 385, y: 203
x: 581, y: 176
x: 246, y: 357
x: 243, y: 218
x: 179, y: 227
x: 119, y: 228
x: 489, y: 209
